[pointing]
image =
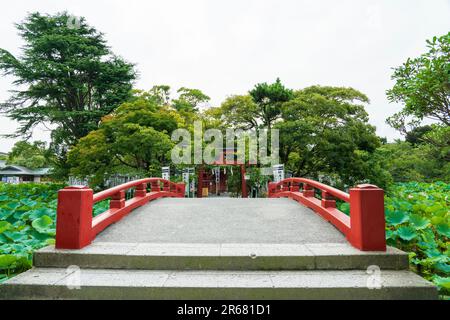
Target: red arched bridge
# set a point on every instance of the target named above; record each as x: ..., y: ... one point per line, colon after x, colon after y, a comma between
x: 290, y: 245
x: 364, y: 228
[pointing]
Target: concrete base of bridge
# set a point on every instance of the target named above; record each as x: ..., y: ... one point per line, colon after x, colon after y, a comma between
x: 236, y: 252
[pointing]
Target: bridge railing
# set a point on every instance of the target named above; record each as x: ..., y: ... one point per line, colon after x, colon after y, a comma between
x: 75, y: 225
x: 364, y: 228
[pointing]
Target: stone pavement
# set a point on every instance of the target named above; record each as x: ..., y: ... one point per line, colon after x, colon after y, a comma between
x: 222, y: 220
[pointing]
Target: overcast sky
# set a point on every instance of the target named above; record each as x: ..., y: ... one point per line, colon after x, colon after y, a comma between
x: 225, y: 47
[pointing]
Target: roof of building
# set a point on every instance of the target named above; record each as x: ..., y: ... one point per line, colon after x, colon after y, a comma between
x: 9, y: 169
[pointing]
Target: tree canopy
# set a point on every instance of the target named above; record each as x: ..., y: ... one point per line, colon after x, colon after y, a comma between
x: 70, y: 77
x: 135, y: 138
x: 31, y: 155
x: 407, y: 162
x: 422, y: 85
x: 260, y: 108
x: 325, y: 133
x: 268, y: 99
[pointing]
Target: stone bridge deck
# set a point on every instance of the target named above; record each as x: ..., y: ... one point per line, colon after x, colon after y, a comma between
x: 222, y: 220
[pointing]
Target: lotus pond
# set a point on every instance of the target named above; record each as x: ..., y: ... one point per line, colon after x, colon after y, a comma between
x: 27, y: 223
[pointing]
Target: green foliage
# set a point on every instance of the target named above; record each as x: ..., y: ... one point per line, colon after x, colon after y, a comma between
x: 27, y: 223
x: 423, y: 86
x: 325, y: 132
x: 134, y: 139
x: 43, y: 225
x: 421, y: 162
x: 100, y: 207
x: 239, y: 112
x: 189, y: 100
x: 406, y: 233
x: 395, y: 218
x: 268, y: 99
x: 72, y: 76
x: 67, y: 77
x: 416, y: 135
x: 256, y: 180
x: 438, y: 138
x: 234, y: 182
x: 418, y: 222
x: 260, y: 108
x: 31, y: 155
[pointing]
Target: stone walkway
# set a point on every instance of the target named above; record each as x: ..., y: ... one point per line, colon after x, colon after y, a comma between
x: 222, y: 220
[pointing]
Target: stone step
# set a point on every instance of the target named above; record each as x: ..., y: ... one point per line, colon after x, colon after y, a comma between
x: 244, y: 256
x: 59, y: 283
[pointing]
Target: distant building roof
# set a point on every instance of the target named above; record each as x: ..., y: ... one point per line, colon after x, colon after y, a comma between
x: 14, y: 170
x: 42, y: 171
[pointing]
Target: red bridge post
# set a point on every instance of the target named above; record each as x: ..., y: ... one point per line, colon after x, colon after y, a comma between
x: 295, y: 186
x: 327, y: 200
x: 74, y: 217
x: 308, y: 191
x: 181, y: 189
x: 117, y: 200
x: 367, y: 218
x: 271, y: 189
x: 156, y: 187
x: 141, y: 190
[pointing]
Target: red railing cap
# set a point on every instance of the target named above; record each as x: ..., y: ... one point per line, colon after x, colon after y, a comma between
x: 102, y: 195
x: 318, y: 185
x: 367, y: 186
x: 76, y: 188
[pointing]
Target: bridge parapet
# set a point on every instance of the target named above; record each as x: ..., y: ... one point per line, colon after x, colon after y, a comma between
x: 75, y: 225
x: 364, y: 228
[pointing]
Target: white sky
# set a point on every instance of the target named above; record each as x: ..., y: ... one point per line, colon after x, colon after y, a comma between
x: 226, y: 47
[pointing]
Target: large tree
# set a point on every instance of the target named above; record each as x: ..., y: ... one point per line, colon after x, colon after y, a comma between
x: 239, y: 112
x: 189, y: 99
x: 325, y: 134
x: 269, y: 98
x: 31, y: 155
x: 135, y: 138
x: 408, y: 162
x: 260, y: 108
x: 188, y: 103
x: 422, y: 85
x: 66, y: 76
